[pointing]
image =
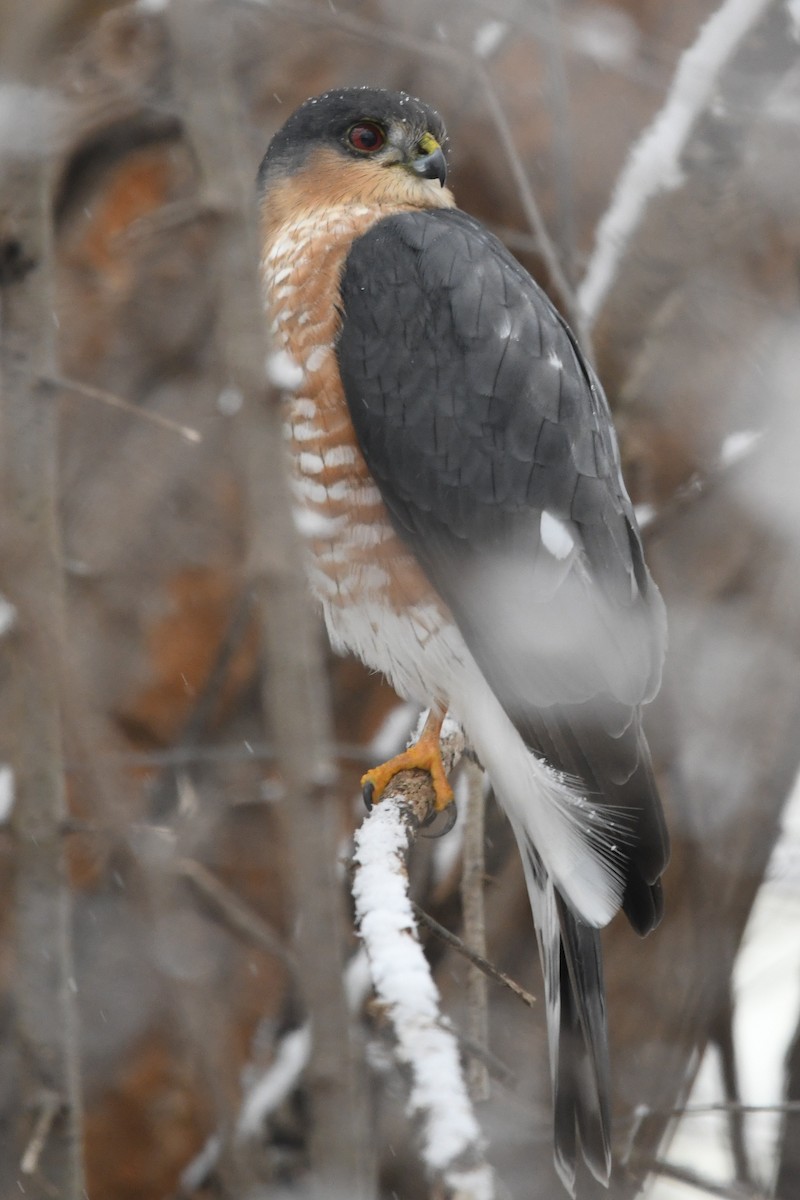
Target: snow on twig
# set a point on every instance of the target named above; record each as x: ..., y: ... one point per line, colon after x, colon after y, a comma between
x: 452, y: 1140
x: 653, y: 164
x: 274, y: 1085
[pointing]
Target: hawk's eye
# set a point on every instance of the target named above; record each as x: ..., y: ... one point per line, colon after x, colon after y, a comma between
x: 366, y: 137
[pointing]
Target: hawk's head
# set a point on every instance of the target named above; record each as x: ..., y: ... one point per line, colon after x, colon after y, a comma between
x: 361, y: 145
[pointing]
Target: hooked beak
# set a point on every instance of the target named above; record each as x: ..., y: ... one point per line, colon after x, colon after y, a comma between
x: 431, y: 166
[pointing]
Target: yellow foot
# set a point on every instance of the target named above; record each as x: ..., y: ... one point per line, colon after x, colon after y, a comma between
x: 424, y: 755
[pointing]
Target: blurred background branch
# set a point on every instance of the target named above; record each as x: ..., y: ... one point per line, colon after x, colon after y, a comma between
x: 44, y: 1134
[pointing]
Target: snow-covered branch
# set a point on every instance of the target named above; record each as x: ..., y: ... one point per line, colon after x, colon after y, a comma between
x: 452, y: 1142
x: 654, y: 163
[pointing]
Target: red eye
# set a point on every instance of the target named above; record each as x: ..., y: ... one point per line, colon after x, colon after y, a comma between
x: 366, y: 137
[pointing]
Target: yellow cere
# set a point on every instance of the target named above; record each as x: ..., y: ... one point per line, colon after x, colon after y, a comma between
x: 428, y: 143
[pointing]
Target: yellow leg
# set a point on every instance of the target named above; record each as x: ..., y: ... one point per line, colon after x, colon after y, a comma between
x: 424, y: 755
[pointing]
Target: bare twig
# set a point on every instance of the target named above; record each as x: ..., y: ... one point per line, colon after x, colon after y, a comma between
x: 722, y: 1034
x: 109, y: 398
x: 237, y: 915
x: 727, y: 1191
x: 242, y: 751
x: 482, y: 964
x: 563, y: 173
x: 791, y: 1107
x: 50, y: 1106
x: 472, y: 881
x: 654, y: 164
x: 294, y: 688
x: 533, y: 213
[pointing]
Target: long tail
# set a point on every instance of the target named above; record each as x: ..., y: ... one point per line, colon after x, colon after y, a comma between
x: 539, y: 807
x: 576, y: 1025
x: 588, y: 822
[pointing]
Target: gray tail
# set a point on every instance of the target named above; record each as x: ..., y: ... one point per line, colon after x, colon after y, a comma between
x: 576, y: 1027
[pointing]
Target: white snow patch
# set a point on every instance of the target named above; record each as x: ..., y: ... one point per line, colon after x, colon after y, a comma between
x: 605, y: 35
x: 198, y: 1170
x: 269, y: 1092
x: 653, y: 163
x: 229, y: 401
x: 476, y: 1183
x: 283, y: 372
x: 644, y: 514
x: 737, y: 446
x: 403, y: 981
x: 555, y: 536
x: 8, y: 616
x: 357, y: 978
x: 6, y: 792
x: 488, y: 38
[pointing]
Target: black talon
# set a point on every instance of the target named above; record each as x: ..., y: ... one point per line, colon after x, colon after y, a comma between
x: 367, y: 792
x: 451, y: 814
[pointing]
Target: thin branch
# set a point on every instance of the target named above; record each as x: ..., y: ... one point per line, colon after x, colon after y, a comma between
x: 482, y: 964
x: 473, y: 876
x: 77, y: 388
x: 699, y: 487
x: 495, y: 1067
x: 544, y: 243
x: 722, y: 1035
x: 563, y: 173
x: 242, y: 751
x: 727, y: 1191
x: 269, y: 1090
x: 237, y: 915
x: 654, y: 163
x: 50, y: 1105
x: 699, y: 1110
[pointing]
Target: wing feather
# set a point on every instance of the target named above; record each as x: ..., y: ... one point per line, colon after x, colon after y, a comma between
x: 482, y: 416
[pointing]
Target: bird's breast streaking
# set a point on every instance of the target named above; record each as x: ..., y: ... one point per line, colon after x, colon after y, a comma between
x: 377, y: 601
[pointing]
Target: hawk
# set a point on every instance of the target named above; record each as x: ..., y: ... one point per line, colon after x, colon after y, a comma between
x: 468, y: 532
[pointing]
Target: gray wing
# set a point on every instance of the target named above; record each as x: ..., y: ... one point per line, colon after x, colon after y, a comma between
x: 493, y: 448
